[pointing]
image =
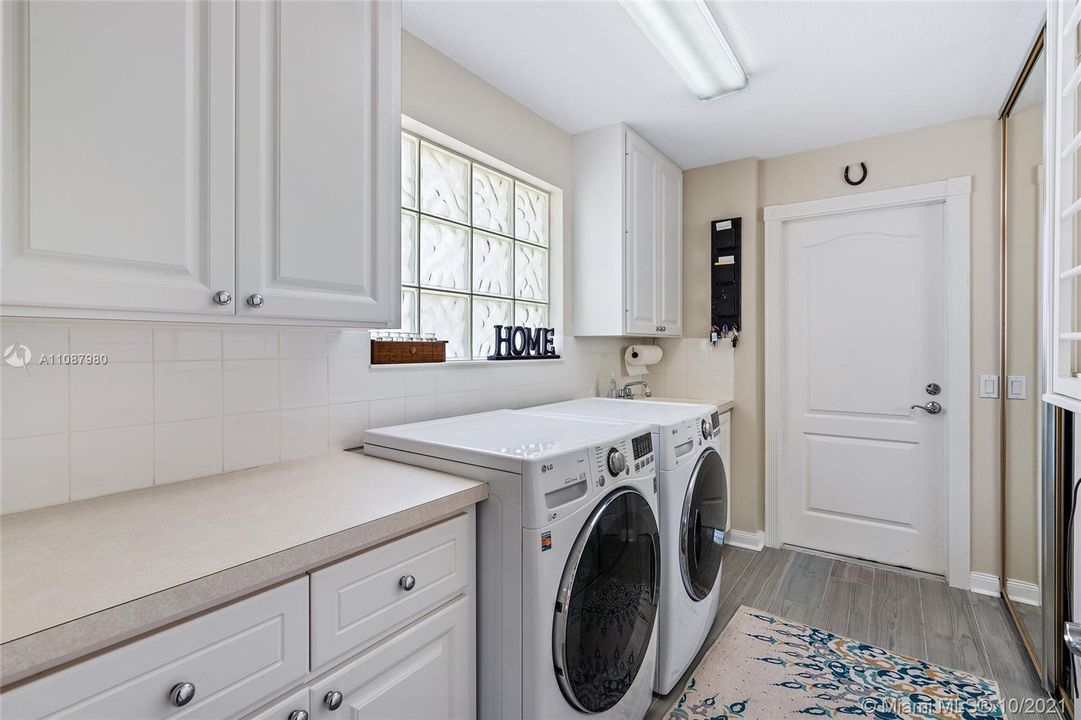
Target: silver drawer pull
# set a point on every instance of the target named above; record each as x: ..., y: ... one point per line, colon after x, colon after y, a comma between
x: 182, y: 694
x: 298, y: 715
x: 332, y: 700
x: 407, y: 582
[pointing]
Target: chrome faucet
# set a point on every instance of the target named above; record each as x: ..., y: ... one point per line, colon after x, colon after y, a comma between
x: 627, y: 394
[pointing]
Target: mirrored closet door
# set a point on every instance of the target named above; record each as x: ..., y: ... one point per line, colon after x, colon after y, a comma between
x: 1022, y: 427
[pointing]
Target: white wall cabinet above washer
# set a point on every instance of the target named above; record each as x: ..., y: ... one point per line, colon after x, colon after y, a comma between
x: 176, y: 160
x: 628, y: 236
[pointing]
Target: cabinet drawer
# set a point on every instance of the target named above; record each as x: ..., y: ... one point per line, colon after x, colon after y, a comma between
x: 359, y: 600
x: 235, y: 657
x: 284, y: 708
x: 424, y: 672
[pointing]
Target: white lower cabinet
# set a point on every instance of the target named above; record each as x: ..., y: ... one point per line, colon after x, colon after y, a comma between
x: 389, y: 633
x: 230, y: 659
x: 423, y: 672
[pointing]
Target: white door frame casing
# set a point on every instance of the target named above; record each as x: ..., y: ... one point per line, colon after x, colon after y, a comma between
x: 956, y: 195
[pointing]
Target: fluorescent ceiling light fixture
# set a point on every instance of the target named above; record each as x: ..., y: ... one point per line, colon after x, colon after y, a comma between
x: 688, y: 36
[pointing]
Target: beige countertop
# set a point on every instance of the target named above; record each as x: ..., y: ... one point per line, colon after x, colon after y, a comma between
x: 79, y: 577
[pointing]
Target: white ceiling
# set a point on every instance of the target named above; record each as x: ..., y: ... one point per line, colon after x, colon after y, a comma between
x: 821, y: 73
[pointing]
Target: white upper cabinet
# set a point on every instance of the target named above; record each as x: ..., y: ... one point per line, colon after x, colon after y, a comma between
x: 117, y: 156
x: 196, y: 160
x: 628, y: 236
x: 319, y: 153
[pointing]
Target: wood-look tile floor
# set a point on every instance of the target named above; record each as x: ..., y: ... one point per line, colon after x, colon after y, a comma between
x: 911, y: 615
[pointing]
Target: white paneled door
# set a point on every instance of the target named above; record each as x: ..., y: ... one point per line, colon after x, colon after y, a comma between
x: 862, y: 472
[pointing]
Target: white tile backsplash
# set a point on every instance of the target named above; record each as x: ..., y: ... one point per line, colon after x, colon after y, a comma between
x: 250, y: 386
x: 249, y: 344
x: 35, y: 400
x: 33, y: 472
x: 347, y: 424
x: 303, y: 382
x: 694, y: 368
x: 174, y: 344
x: 251, y: 440
x: 387, y: 412
x: 187, y: 390
x: 110, y: 461
x: 122, y: 343
x: 180, y: 402
x: 304, y: 432
x: 186, y: 450
x: 113, y: 395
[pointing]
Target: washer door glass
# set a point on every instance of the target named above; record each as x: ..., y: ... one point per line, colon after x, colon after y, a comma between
x: 607, y: 602
x: 703, y: 524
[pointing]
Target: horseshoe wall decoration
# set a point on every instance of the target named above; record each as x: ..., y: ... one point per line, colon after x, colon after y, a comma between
x: 863, y: 177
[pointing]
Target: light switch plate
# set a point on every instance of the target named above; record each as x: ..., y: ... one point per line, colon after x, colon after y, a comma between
x: 989, y: 386
x: 1016, y: 387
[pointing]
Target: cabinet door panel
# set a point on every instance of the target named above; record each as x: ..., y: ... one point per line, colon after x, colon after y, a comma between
x: 318, y: 168
x: 426, y: 671
x: 670, y: 249
x: 642, y: 237
x: 113, y: 197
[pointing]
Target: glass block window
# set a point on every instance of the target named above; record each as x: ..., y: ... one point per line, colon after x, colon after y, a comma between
x: 474, y: 249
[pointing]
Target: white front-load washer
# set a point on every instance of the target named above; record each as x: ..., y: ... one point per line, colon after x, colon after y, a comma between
x: 694, y: 516
x: 568, y: 559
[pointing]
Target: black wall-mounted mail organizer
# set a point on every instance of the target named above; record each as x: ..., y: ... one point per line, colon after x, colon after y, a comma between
x: 726, y: 264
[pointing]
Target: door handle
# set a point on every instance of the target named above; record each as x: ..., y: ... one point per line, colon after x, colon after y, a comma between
x: 931, y: 408
x: 1072, y: 635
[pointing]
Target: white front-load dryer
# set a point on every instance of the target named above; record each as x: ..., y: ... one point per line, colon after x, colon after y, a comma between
x: 694, y: 517
x: 568, y: 558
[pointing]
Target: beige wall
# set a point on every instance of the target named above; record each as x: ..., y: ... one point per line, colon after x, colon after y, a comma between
x: 966, y: 147
x: 711, y: 193
x: 444, y: 95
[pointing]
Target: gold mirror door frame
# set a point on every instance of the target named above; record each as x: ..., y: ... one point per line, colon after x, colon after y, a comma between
x: 1021, y: 466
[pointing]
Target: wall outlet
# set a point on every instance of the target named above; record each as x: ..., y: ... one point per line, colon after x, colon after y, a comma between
x: 1016, y: 387
x: 989, y: 386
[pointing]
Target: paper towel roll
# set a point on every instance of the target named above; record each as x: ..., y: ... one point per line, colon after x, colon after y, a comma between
x: 639, y: 357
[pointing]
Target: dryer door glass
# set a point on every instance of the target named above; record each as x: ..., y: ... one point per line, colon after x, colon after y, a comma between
x: 607, y: 602
x: 703, y: 524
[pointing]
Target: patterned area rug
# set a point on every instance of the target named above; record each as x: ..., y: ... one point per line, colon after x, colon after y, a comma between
x: 764, y: 667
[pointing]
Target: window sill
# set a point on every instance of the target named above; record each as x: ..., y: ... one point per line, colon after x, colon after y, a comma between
x: 466, y: 364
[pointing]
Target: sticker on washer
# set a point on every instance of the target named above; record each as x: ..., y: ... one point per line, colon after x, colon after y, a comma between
x: 546, y: 541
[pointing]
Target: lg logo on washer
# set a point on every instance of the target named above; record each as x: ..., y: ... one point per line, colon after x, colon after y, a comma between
x: 547, y: 467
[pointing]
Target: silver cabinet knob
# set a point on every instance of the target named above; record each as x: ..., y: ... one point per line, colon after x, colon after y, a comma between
x: 407, y: 582
x: 223, y: 297
x: 931, y: 408
x: 182, y: 694
x: 332, y: 700
x: 255, y: 300
x: 298, y: 715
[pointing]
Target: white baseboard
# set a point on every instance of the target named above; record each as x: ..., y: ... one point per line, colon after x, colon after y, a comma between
x: 1023, y: 592
x: 984, y: 584
x: 1019, y: 591
x: 746, y: 540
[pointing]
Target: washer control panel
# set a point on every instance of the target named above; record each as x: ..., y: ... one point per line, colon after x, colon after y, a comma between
x: 627, y: 458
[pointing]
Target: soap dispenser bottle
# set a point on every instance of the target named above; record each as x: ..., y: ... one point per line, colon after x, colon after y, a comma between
x: 612, y: 391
